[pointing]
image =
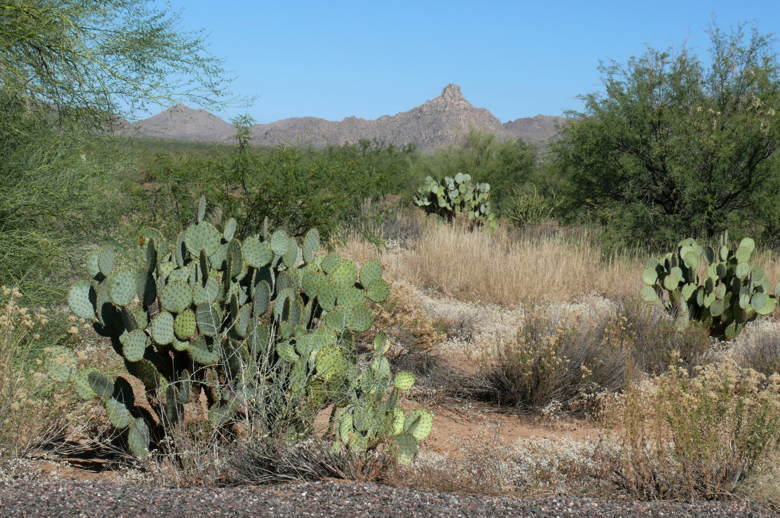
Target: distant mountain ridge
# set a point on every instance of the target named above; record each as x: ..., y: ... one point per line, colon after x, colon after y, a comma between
x: 442, y: 121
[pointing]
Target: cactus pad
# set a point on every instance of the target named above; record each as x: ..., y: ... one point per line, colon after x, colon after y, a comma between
x: 202, y: 236
x: 419, y: 424
x: 206, y: 293
x: 134, y: 344
x: 404, y: 380
x: 345, y: 273
x: 257, y: 253
x: 378, y: 290
x: 60, y: 364
x: 121, y: 288
x: 279, y: 243
x: 370, y: 272
x: 359, y: 318
x: 106, y: 260
x: 230, y: 229
x: 162, y: 328
x: 176, y: 296
x: 80, y: 300
x: 311, y: 245
x: 184, y: 325
x: 208, y: 320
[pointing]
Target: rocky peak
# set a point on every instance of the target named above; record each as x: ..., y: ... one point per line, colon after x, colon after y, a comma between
x: 452, y: 93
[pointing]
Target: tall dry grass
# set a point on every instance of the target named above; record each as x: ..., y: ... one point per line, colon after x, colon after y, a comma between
x: 505, y: 267
x: 511, y: 267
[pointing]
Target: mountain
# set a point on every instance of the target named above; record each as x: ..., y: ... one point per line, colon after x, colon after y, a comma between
x: 441, y: 121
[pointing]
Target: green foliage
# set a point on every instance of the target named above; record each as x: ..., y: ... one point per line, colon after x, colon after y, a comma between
x: 677, y: 145
x: 260, y: 325
x: 295, y: 189
x: 732, y: 293
x: 529, y: 206
x: 82, y: 57
x: 458, y: 196
x: 504, y: 164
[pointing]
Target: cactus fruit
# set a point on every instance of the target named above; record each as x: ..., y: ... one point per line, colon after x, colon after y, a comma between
x: 224, y: 316
x: 731, y: 294
x: 458, y: 196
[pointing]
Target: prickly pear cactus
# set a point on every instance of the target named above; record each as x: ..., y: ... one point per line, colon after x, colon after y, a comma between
x: 451, y: 197
x: 372, y: 415
x: 717, y: 288
x: 217, y: 315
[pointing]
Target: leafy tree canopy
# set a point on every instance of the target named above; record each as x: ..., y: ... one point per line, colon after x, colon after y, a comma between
x: 678, y: 146
x: 102, y: 56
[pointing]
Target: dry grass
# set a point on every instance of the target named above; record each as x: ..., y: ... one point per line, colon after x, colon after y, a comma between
x: 32, y: 407
x: 503, y: 267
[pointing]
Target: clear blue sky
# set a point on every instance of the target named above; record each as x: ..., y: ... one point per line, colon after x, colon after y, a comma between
x: 333, y: 59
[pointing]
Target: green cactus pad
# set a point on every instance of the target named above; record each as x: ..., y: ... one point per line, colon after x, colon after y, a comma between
x: 370, y: 272
x: 121, y: 288
x: 358, y: 444
x: 419, y: 424
x: 362, y: 417
x: 378, y: 290
x: 279, y: 243
x: 311, y: 245
x: 162, y: 328
x: 293, y: 255
x: 335, y: 319
x: 287, y: 352
x: 99, y: 384
x: 165, y: 268
x: 93, y: 267
x: 81, y: 300
x: 406, y: 448
x: 404, y: 380
x: 81, y: 385
x: 235, y: 260
x: 649, y: 276
x: 381, y: 366
x: 201, y: 210
x: 200, y: 352
x: 206, y: 293
x: 330, y: 362
x: 106, y: 260
x: 176, y: 296
x: 359, y: 319
x: 60, y: 364
x: 184, y: 326
x: 203, y: 236
x: 145, y: 371
x: 134, y: 344
x: 257, y: 253
x: 261, y: 299
x: 243, y: 321
x: 219, y: 257
x: 345, y: 273
x: 381, y: 344
x: 118, y: 414
x: 230, y: 229
x: 349, y: 297
x: 180, y: 274
x: 345, y: 428
x: 208, y: 319
x: 330, y: 263
x: 397, y: 425
x: 138, y: 438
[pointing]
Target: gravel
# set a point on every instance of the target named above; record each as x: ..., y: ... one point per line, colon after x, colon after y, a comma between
x: 327, y: 499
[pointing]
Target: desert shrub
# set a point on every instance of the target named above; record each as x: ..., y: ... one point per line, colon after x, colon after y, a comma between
x: 32, y: 408
x: 758, y: 350
x: 678, y: 144
x: 269, y: 462
x: 557, y: 363
x: 528, y: 206
x: 654, y: 340
x: 296, y: 189
x: 695, y: 436
x: 256, y: 334
x: 732, y: 294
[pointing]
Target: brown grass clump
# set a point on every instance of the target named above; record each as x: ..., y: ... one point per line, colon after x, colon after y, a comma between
x: 695, y: 436
x: 32, y: 407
